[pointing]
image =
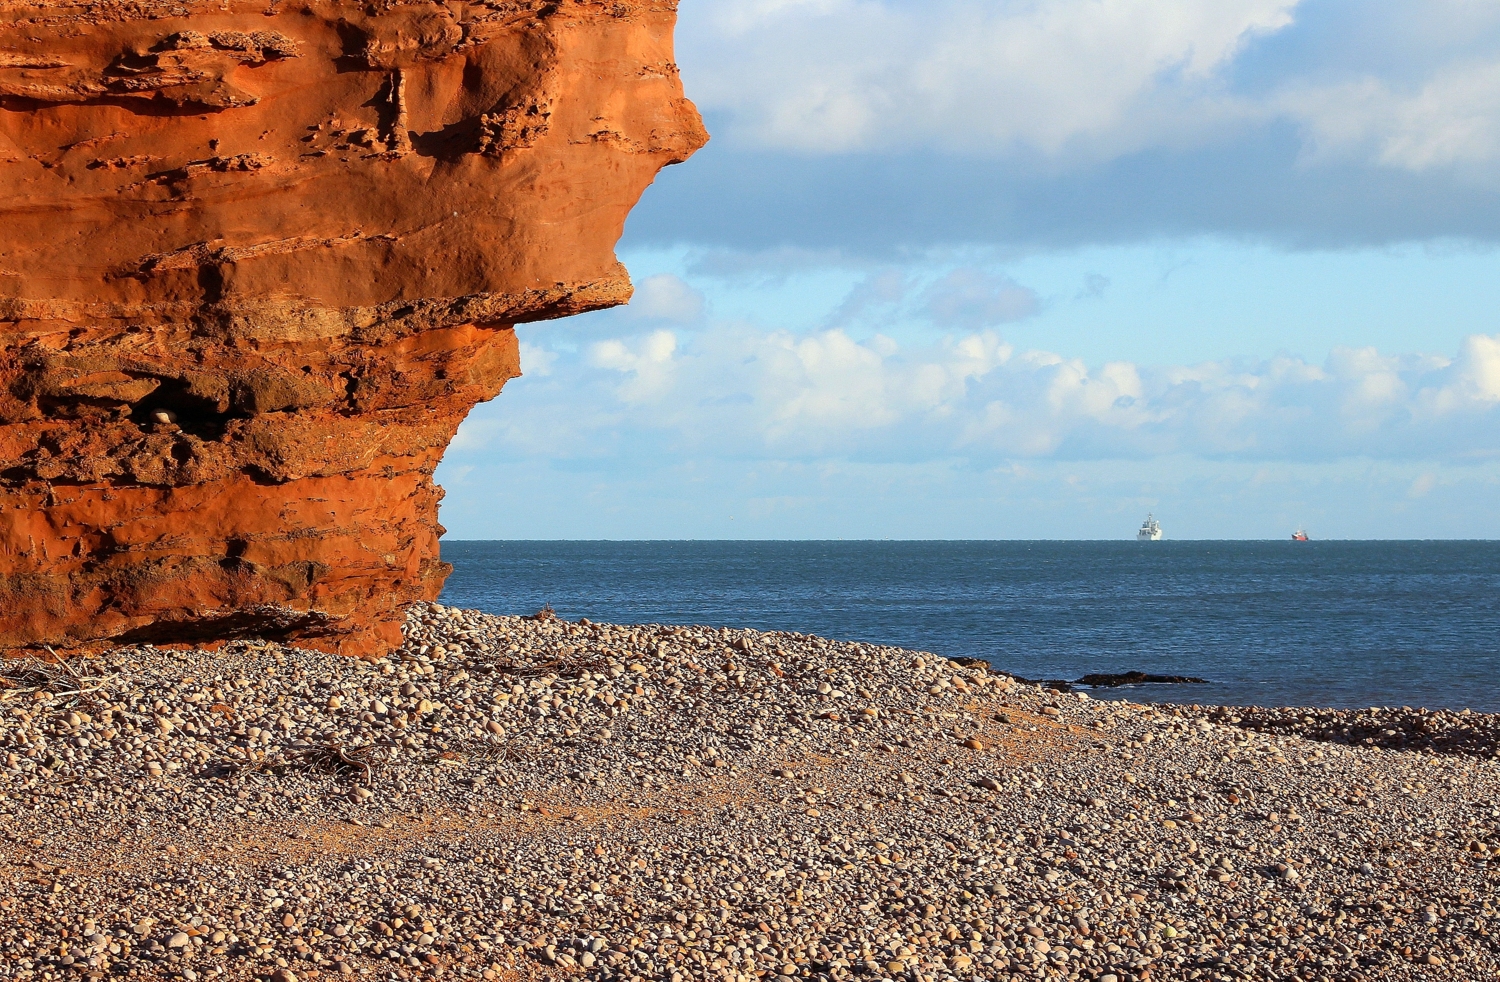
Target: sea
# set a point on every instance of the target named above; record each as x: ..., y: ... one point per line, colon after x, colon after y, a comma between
x: 1349, y: 624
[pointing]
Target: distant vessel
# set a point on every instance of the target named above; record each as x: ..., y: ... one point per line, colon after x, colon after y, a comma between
x: 1300, y: 535
x: 1150, y: 530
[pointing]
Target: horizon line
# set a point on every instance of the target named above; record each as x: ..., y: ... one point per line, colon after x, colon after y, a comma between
x: 1286, y: 539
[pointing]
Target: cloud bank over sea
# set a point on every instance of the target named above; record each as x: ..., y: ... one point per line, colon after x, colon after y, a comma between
x: 737, y: 391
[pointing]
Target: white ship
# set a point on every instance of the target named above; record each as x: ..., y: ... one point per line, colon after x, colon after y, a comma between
x: 1150, y: 530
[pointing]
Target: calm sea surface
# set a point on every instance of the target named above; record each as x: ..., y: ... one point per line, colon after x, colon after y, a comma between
x: 1270, y: 623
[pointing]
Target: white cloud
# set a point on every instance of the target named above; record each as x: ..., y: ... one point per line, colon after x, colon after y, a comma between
x: 665, y: 297
x: 1081, y: 81
x: 1471, y: 380
x: 1451, y: 119
x: 537, y: 362
x: 647, y: 362
x: 741, y: 391
x: 839, y: 76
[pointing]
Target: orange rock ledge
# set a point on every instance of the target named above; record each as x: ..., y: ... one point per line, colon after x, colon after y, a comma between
x: 257, y: 263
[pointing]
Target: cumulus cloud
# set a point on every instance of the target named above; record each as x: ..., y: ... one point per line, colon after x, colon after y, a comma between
x: 665, y: 297
x: 869, y: 127
x: 1084, y: 81
x: 538, y: 361
x: 647, y: 363
x: 845, y: 75
x: 741, y: 391
x: 1452, y: 119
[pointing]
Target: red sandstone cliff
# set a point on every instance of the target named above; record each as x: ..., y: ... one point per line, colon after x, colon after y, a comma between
x: 259, y: 260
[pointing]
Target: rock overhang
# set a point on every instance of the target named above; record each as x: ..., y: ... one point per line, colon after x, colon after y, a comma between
x: 258, y: 262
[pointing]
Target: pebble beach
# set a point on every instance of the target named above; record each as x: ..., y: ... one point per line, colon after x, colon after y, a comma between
x: 525, y: 798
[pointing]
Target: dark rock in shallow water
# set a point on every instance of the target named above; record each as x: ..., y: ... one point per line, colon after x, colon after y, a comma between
x: 1111, y: 679
x: 1107, y: 680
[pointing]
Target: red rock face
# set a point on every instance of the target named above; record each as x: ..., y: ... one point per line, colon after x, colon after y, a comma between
x: 257, y: 263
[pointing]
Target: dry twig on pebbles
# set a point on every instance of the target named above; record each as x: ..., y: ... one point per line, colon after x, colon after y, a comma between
x: 340, y: 760
x: 28, y: 675
x: 334, y: 759
x: 58, y: 678
x: 500, y: 752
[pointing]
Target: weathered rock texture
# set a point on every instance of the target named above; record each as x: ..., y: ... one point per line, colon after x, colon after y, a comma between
x: 259, y: 260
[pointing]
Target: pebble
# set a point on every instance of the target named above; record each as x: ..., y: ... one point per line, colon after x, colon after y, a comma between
x: 686, y: 802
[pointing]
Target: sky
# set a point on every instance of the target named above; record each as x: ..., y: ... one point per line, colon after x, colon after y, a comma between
x: 974, y: 269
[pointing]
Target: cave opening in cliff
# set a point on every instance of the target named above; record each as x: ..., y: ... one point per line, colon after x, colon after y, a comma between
x: 174, y: 403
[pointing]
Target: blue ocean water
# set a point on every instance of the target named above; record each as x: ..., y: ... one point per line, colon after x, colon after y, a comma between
x: 1269, y: 623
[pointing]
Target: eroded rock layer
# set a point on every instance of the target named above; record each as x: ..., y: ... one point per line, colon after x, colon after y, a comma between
x: 258, y: 261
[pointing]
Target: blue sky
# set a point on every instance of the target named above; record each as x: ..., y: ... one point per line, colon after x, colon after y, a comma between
x: 1006, y: 269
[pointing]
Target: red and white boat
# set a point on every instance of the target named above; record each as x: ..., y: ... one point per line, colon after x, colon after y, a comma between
x: 1300, y: 535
